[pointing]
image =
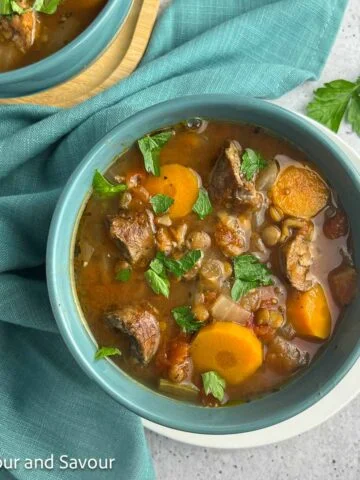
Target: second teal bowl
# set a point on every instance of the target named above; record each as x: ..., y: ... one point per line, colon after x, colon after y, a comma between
x: 70, y: 60
x: 315, y: 382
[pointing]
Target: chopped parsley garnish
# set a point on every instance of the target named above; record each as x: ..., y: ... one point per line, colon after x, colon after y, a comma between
x: 252, y: 163
x: 202, y: 206
x: 186, y: 320
x: 104, y: 188
x: 335, y: 100
x: 157, y: 279
x: 161, y: 203
x: 123, y: 275
x: 249, y: 273
x: 182, y: 265
x: 214, y: 384
x: 103, y: 352
x: 150, y: 147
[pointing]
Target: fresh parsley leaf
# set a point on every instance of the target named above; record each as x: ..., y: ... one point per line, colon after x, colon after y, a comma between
x: 5, y: 7
x: 161, y: 203
x: 160, y: 285
x: 182, y: 265
x: 241, y: 288
x: 104, y: 188
x: 331, y: 102
x: 150, y: 148
x: 249, y: 273
x: 214, y: 384
x: 353, y: 113
x: 106, y: 352
x: 202, y: 206
x: 157, y: 278
x: 158, y: 266
x: 184, y: 317
x: 46, y: 6
x: 17, y: 9
x: 123, y: 275
x: 252, y: 163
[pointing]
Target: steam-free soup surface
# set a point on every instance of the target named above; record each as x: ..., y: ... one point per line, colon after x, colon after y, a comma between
x: 33, y: 36
x: 219, y: 275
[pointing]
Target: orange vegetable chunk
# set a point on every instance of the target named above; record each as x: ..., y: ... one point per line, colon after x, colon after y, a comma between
x: 178, y: 182
x: 230, y: 349
x: 309, y: 312
x: 300, y: 192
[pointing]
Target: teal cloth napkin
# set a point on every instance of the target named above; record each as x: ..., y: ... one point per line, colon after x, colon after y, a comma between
x: 261, y: 48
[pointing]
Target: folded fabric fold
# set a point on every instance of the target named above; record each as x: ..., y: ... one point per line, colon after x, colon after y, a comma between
x: 260, y: 48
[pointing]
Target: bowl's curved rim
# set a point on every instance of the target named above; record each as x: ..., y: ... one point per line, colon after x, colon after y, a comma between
x: 54, y: 258
x: 51, y: 61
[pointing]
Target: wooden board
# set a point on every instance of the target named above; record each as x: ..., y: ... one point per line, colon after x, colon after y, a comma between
x: 116, y: 63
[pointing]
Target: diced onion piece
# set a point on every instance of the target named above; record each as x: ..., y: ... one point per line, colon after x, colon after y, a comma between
x: 227, y: 310
x: 86, y: 251
x: 267, y: 177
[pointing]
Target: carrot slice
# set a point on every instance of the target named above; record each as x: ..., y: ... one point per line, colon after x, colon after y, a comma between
x: 309, y: 313
x: 233, y: 351
x: 179, y: 183
x: 300, y: 192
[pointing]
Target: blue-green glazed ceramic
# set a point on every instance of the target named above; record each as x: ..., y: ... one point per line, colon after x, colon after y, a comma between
x: 70, y: 60
x: 334, y: 360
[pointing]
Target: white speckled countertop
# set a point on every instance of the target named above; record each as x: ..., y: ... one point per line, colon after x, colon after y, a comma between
x: 331, y: 451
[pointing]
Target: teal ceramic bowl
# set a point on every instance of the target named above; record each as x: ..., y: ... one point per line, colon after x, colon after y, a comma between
x: 333, y: 362
x: 70, y: 60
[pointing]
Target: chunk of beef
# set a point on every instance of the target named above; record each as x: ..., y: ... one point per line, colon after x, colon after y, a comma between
x: 343, y: 284
x: 232, y: 234
x: 20, y: 29
x: 228, y: 186
x: 297, y: 260
x: 140, y: 324
x: 285, y: 357
x: 133, y: 233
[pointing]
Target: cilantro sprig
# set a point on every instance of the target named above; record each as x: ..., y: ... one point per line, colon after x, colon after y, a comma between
x: 334, y: 101
x: 252, y: 163
x: 249, y: 273
x: 150, y: 147
x: 214, y: 384
x: 186, y: 320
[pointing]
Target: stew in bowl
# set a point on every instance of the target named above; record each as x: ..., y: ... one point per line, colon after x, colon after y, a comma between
x: 46, y: 42
x: 195, y: 273
x: 31, y: 31
x: 213, y: 261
